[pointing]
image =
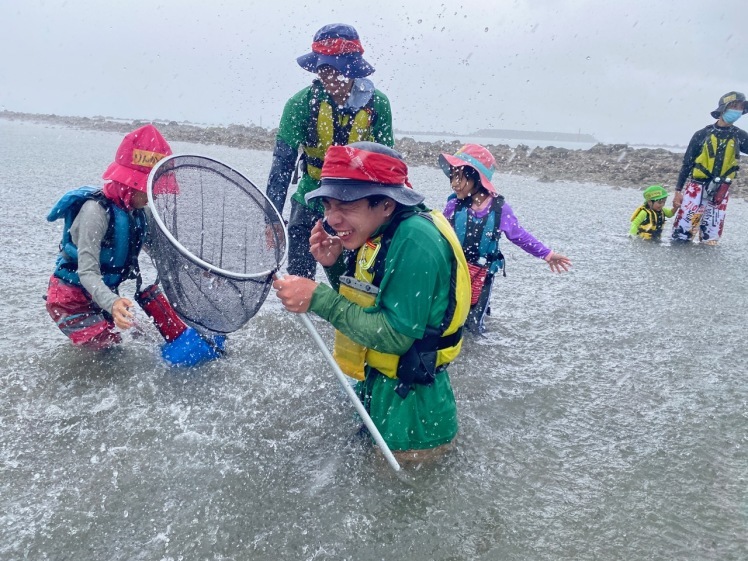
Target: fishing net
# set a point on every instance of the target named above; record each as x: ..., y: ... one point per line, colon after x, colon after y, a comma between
x: 216, y: 241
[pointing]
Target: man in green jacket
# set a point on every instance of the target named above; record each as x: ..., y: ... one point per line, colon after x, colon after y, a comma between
x: 400, y: 307
x: 341, y: 106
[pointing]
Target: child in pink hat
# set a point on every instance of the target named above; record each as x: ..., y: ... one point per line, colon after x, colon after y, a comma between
x: 103, y: 233
x: 479, y: 215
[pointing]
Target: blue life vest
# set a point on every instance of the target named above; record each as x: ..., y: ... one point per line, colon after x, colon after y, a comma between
x: 479, y: 237
x: 119, y: 247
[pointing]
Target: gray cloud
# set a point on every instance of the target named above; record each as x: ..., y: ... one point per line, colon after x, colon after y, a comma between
x: 630, y: 71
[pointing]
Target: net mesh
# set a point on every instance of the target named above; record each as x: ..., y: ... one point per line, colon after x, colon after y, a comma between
x: 209, y: 241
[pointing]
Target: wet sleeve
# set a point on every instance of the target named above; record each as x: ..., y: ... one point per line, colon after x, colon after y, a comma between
x: 689, y: 158
x: 284, y: 162
x: 369, y: 328
x: 636, y: 222
x: 382, y: 130
x: 87, y: 232
x: 291, y: 134
x: 519, y: 236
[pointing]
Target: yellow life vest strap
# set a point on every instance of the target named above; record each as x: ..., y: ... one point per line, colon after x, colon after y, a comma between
x: 374, y: 271
x: 718, y: 158
x: 636, y: 212
x: 328, y: 126
x: 445, y: 341
x: 652, y: 224
x: 351, y: 356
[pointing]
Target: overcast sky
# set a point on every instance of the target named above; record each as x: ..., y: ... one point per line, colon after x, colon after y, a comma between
x: 639, y: 71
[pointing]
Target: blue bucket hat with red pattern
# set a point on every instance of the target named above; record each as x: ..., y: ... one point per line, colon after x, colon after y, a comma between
x: 337, y: 45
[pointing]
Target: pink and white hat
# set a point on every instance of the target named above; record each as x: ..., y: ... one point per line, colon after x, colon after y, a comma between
x: 475, y: 156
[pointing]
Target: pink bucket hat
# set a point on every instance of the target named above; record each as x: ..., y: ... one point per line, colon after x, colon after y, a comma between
x: 475, y: 156
x: 139, y: 151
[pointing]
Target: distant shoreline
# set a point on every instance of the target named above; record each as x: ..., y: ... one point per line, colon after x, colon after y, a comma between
x: 617, y: 165
x: 506, y: 134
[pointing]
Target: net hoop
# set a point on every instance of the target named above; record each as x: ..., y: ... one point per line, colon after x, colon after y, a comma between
x: 155, y: 173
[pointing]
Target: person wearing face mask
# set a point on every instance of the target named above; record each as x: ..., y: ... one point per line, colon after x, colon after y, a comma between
x: 710, y: 166
x: 479, y: 215
x: 340, y: 107
x: 103, y: 232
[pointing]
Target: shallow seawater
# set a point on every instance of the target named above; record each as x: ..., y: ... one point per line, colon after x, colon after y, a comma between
x: 602, y: 417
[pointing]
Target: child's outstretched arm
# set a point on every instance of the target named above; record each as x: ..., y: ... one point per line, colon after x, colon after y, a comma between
x: 519, y: 236
x: 526, y: 241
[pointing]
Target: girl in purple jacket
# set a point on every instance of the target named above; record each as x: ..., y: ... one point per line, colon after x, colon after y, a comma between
x: 479, y: 215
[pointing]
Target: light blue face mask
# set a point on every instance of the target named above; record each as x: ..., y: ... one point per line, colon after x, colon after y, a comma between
x: 731, y: 115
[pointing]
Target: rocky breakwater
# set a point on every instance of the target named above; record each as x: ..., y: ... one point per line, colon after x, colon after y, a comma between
x: 608, y: 164
x: 618, y: 165
x: 239, y: 136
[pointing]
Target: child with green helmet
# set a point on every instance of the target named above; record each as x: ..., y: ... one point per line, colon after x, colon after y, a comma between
x: 648, y: 220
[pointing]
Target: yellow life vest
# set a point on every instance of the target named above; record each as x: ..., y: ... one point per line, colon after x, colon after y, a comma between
x: 328, y: 126
x: 652, y: 225
x: 351, y: 356
x: 718, y: 158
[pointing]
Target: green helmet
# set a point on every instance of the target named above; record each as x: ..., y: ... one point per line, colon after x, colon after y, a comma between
x: 655, y: 193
